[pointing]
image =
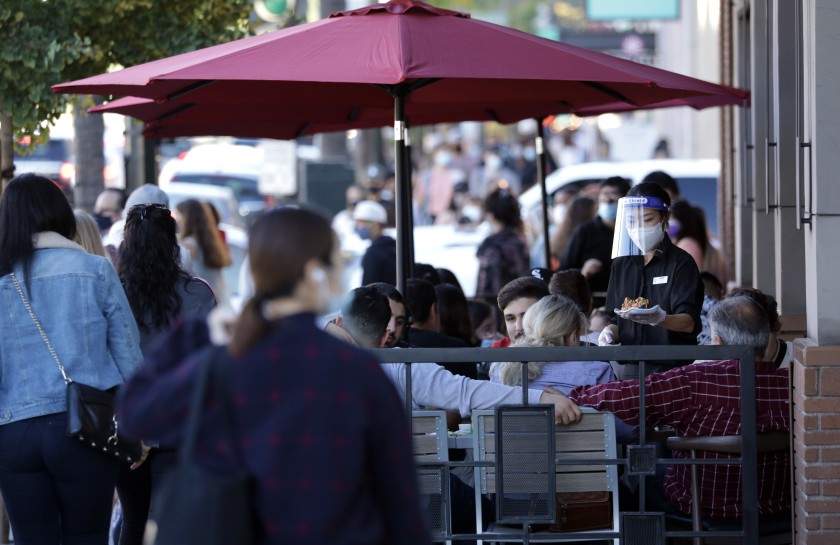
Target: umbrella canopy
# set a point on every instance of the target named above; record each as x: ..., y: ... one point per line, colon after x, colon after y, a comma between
x: 179, y: 117
x: 347, y: 59
x: 396, y: 61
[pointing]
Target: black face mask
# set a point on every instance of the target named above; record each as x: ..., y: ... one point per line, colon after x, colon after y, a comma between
x: 103, y: 222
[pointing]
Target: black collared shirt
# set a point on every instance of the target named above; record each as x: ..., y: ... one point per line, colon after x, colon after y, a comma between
x: 671, y: 280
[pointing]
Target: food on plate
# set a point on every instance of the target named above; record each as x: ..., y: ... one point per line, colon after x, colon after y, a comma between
x: 638, y: 302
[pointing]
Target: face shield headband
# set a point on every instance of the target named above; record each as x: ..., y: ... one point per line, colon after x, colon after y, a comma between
x: 645, y: 202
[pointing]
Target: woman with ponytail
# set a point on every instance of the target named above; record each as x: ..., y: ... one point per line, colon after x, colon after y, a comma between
x: 554, y: 320
x: 320, y: 428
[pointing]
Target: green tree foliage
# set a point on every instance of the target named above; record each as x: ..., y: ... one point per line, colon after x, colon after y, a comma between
x: 49, y: 41
x: 36, y: 50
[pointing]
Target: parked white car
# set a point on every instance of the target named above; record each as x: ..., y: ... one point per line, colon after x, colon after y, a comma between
x: 236, y: 167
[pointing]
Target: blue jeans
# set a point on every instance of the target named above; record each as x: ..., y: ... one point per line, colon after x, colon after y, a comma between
x: 56, y: 489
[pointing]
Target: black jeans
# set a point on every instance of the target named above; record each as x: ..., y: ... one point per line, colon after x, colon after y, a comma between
x: 137, y: 489
x: 57, y: 490
x: 134, y: 487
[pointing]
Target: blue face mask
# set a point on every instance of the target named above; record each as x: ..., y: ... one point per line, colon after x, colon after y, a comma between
x: 608, y: 211
x: 363, y: 232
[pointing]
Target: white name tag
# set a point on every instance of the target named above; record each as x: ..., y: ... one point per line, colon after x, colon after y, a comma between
x: 660, y: 280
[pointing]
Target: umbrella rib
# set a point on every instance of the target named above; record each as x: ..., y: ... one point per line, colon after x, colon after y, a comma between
x: 302, y: 129
x: 189, y: 89
x: 611, y: 92
x: 174, y: 112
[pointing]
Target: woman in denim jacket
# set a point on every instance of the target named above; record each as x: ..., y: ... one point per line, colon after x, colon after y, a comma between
x: 56, y: 489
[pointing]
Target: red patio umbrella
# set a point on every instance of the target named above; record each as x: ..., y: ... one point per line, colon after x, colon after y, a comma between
x: 405, y: 57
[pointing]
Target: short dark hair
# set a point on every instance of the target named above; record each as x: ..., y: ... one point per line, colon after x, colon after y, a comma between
x: 741, y: 320
x: 365, y: 315
x: 389, y: 291
x: 502, y: 204
x: 712, y: 285
x: 120, y: 193
x: 572, y: 284
x: 663, y: 180
x: 525, y: 286
x: 766, y: 301
x: 426, y: 272
x: 419, y: 298
x: 622, y: 184
x: 650, y: 189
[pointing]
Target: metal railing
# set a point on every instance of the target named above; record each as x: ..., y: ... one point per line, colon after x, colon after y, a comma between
x: 635, y: 525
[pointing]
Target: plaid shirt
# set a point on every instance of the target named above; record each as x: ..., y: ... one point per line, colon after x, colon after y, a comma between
x: 321, y: 429
x: 704, y: 399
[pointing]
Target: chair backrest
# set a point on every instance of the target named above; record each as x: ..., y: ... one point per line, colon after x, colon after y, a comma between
x: 770, y: 441
x: 593, y: 436
x: 431, y: 452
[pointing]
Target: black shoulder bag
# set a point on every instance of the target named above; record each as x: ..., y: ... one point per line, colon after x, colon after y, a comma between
x: 90, y: 411
x: 198, y: 507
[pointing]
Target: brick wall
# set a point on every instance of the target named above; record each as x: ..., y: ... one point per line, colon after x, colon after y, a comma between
x: 816, y: 439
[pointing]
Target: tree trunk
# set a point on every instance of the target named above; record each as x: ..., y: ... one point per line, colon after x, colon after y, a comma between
x: 90, y: 158
x: 6, y: 149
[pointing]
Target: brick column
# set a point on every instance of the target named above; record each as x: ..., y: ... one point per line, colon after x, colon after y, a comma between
x: 816, y: 440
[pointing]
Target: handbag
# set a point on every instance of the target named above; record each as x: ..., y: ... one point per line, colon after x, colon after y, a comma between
x: 579, y: 511
x: 90, y: 410
x: 197, y: 506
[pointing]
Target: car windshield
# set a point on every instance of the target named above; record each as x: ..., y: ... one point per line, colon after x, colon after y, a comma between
x: 244, y: 188
x: 53, y: 150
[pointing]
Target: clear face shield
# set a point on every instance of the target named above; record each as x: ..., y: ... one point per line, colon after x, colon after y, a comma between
x: 638, y: 225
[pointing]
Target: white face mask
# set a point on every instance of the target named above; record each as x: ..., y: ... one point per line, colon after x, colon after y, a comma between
x: 646, y: 238
x: 443, y: 158
x: 558, y: 213
x: 472, y: 213
x: 493, y: 162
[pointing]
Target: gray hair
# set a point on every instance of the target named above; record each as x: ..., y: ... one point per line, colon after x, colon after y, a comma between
x: 548, y: 322
x: 740, y: 321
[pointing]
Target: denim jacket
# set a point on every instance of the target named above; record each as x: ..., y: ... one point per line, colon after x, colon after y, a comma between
x: 83, y: 309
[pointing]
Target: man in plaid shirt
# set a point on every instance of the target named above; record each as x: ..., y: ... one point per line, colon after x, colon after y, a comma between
x: 703, y: 399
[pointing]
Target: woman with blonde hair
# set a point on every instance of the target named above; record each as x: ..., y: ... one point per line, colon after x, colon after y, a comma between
x: 87, y: 234
x: 554, y: 320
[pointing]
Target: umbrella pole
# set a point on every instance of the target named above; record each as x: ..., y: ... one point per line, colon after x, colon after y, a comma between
x: 403, y: 192
x: 409, y: 202
x: 539, y: 145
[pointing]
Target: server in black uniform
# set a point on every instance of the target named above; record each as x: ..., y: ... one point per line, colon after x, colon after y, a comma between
x: 646, y: 264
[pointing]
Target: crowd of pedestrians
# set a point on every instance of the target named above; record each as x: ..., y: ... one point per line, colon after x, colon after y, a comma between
x: 140, y: 314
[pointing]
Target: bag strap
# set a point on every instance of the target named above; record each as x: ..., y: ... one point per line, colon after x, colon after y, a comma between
x: 67, y: 379
x: 212, y: 370
x: 194, y: 417
x: 222, y: 379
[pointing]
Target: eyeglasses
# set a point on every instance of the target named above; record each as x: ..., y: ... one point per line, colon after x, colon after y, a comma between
x: 144, y: 209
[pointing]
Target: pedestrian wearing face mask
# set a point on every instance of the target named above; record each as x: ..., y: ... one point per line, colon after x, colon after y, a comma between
x: 379, y: 264
x: 590, y: 247
x: 647, y: 264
